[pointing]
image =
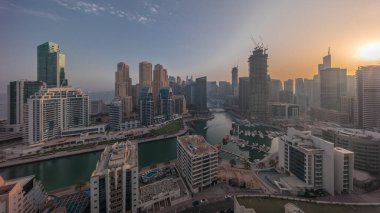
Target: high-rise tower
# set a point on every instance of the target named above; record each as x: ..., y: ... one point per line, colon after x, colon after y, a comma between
x: 145, y: 74
x: 258, y: 77
x: 123, y: 88
x: 368, y: 96
x: 235, y: 87
x: 51, y: 65
x: 160, y: 79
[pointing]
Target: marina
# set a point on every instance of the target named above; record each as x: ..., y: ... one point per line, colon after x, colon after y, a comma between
x: 53, y: 173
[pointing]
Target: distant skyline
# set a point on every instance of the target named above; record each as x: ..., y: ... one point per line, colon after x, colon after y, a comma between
x: 188, y: 38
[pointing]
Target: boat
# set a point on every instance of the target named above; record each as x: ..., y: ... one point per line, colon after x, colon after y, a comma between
x: 261, y: 134
x: 225, y: 139
x: 205, y: 128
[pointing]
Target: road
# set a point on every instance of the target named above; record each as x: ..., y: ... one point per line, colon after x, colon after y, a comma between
x: 214, y: 195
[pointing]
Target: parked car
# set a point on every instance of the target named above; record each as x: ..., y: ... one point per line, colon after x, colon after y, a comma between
x: 228, y: 197
x: 195, y: 203
x: 204, y: 201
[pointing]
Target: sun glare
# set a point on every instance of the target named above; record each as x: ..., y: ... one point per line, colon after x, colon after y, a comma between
x: 370, y: 51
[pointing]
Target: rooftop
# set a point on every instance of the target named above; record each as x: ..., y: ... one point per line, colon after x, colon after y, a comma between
x: 360, y: 133
x: 303, y: 139
x: 118, y: 155
x: 6, y: 188
x: 276, y: 205
x: 157, y: 189
x: 196, y: 145
x: 342, y: 150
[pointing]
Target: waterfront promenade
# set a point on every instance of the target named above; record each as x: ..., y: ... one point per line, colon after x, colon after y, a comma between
x: 94, y: 148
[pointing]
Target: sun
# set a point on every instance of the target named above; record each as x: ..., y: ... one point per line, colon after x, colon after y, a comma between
x: 370, y: 51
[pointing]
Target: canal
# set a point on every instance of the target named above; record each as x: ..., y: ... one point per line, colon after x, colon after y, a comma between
x: 62, y: 172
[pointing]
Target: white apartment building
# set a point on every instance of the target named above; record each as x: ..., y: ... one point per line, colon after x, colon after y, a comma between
x: 25, y: 194
x: 343, y: 167
x: 316, y: 162
x: 197, y: 161
x: 53, y: 110
x: 114, y: 182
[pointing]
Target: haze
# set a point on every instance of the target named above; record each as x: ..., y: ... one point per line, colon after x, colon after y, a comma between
x: 206, y: 38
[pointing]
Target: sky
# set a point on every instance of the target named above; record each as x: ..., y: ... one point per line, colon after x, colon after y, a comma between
x: 189, y: 37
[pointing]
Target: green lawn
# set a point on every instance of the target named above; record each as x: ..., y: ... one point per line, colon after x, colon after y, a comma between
x: 170, y: 128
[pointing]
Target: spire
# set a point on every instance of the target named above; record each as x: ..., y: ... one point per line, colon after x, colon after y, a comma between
x: 328, y: 53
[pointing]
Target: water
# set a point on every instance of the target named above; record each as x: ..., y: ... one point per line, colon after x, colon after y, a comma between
x: 106, y: 97
x: 155, y: 152
x: 62, y: 172
x: 57, y: 173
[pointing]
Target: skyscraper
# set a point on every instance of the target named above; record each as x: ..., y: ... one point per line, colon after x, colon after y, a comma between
x: 368, y: 96
x: 145, y: 74
x: 18, y: 93
x: 258, y: 77
x: 116, y: 114
x: 316, y: 93
x: 225, y: 90
x: 51, y: 65
x: 308, y: 83
x: 123, y: 88
x: 300, y: 94
x: 275, y: 87
x: 55, y: 109
x: 287, y: 96
x: 333, y: 87
x: 165, y: 102
x: 160, y: 79
x: 288, y: 85
x: 351, y: 86
x: 114, y: 183
x: 326, y: 62
x: 244, y: 95
x: 179, y: 104
x: 123, y: 83
x: 201, y: 94
x: 146, y: 110
x: 235, y: 87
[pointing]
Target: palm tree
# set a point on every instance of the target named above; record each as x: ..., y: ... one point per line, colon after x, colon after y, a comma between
x: 247, y: 165
x: 261, y: 165
x: 233, y: 162
x: 272, y: 163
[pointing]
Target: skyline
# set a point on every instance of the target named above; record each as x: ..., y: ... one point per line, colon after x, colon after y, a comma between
x: 170, y: 34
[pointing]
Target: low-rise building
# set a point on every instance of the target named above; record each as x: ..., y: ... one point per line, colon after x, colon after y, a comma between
x: 114, y: 182
x: 330, y: 115
x: 316, y: 162
x: 284, y: 111
x: 197, y: 161
x: 160, y: 194
x: 365, y: 144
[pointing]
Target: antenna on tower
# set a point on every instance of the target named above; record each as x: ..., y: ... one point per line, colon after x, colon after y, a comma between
x: 328, y: 52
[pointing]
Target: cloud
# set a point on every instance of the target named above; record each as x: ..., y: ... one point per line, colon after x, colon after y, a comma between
x: 97, y: 9
x: 41, y: 14
x: 153, y: 8
x: 142, y: 19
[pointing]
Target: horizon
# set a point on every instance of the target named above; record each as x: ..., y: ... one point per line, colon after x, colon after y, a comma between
x: 169, y: 34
